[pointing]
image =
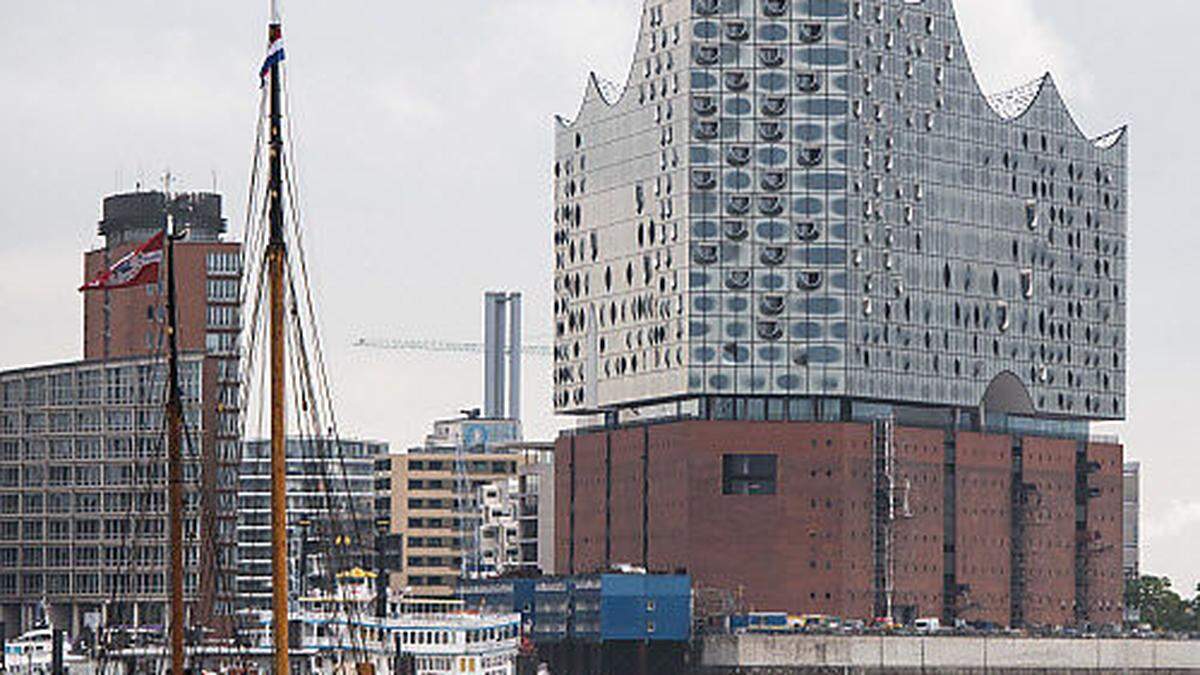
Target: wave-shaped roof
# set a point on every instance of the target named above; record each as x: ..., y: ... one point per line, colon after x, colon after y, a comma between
x: 1014, y: 102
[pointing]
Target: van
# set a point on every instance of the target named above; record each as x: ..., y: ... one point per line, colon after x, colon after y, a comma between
x: 928, y: 625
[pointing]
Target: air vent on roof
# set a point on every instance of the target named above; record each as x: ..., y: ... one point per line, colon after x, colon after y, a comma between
x: 810, y: 156
x: 774, y: 106
x: 808, y: 82
x: 770, y: 206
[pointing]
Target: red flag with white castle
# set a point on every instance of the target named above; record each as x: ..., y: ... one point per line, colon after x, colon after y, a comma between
x: 138, y: 268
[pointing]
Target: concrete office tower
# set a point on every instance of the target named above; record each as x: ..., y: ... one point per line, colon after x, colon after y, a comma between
x: 807, y: 211
x: 83, y: 495
x: 501, y: 343
x: 330, y: 514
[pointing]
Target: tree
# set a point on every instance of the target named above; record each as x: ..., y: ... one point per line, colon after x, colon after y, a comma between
x: 1162, y: 607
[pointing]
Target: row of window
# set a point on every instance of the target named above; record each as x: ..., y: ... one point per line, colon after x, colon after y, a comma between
x: 91, y: 584
x: 121, y: 385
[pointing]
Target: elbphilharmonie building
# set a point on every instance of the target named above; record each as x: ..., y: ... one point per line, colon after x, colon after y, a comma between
x: 836, y: 322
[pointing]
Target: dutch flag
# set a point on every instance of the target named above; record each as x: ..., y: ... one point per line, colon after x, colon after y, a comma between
x: 274, y: 56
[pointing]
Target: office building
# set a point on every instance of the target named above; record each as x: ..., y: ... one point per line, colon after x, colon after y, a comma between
x: 535, y: 499
x: 330, y: 515
x: 836, y: 322
x: 131, y: 322
x: 436, y: 500
x: 83, y: 494
x: 84, y: 441
x: 497, y: 546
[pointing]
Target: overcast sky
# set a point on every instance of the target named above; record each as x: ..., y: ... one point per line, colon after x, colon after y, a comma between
x: 424, y: 147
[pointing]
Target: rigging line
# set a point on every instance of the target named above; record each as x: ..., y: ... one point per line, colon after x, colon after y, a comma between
x: 328, y: 400
x: 204, y: 515
x: 293, y: 202
x: 344, y: 555
x: 316, y: 443
x: 327, y: 397
x: 254, y: 350
x: 253, y: 353
x: 255, y: 163
x: 317, y: 422
x: 325, y: 389
x: 129, y: 539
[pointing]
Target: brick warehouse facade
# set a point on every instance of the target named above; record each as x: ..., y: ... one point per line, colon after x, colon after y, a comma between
x: 658, y: 495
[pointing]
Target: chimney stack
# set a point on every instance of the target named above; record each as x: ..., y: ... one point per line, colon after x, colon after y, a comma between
x: 501, y: 338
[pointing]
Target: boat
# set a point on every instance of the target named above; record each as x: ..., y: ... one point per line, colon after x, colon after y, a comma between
x: 31, y: 653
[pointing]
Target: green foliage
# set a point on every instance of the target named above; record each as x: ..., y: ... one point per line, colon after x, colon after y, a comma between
x: 1161, y: 607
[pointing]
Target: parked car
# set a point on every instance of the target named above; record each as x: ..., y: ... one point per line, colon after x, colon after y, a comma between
x: 928, y: 625
x: 854, y: 626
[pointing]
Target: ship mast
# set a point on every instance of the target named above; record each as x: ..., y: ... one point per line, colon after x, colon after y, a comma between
x: 276, y: 255
x: 174, y: 446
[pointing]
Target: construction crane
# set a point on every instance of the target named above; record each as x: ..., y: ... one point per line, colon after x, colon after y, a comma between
x: 413, y: 345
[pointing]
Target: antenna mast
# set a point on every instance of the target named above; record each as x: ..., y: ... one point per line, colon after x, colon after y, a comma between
x: 276, y: 254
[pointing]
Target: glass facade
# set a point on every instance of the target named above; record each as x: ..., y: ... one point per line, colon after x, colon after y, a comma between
x: 330, y: 519
x: 83, y: 484
x: 799, y: 198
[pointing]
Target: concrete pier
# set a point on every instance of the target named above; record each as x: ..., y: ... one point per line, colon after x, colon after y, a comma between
x: 811, y: 654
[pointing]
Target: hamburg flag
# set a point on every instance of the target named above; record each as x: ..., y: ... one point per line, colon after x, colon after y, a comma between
x: 139, y: 268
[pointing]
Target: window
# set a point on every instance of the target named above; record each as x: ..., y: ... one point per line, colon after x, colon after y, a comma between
x: 223, y: 290
x: 224, y: 263
x: 223, y: 316
x: 749, y: 474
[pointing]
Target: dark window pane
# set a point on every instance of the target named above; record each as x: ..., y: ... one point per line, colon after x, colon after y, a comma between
x: 748, y: 474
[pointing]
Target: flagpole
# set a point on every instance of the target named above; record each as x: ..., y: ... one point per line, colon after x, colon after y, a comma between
x: 174, y: 446
x: 276, y: 259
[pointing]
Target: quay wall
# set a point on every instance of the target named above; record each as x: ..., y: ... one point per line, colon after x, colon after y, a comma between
x: 805, y: 654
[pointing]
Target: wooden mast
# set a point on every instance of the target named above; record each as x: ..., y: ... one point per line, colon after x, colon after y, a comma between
x: 276, y: 259
x: 174, y: 447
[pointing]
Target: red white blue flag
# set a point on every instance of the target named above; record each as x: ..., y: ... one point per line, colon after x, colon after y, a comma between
x: 138, y: 268
x: 274, y: 55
